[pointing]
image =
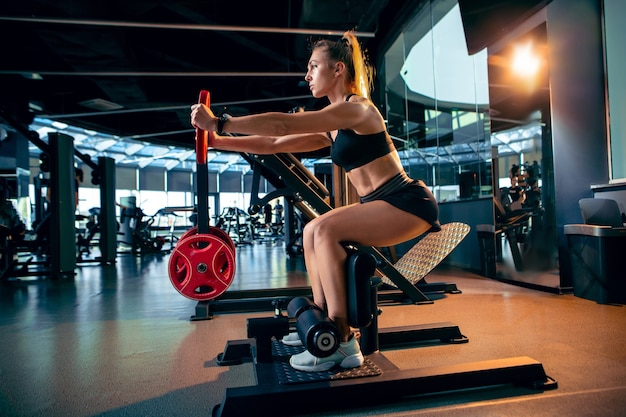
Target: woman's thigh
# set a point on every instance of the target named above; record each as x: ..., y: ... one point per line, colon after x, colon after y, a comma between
x: 377, y: 223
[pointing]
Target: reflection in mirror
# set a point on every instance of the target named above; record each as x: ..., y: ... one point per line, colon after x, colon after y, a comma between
x: 526, y: 249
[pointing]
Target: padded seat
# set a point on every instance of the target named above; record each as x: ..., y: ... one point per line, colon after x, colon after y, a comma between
x: 426, y: 254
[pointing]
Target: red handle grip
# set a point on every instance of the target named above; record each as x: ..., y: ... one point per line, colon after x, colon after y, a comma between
x: 202, y: 136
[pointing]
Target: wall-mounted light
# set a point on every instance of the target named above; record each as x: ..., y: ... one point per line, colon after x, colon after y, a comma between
x: 526, y: 62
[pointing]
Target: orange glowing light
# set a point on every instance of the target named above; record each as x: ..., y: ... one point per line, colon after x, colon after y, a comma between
x: 525, y: 62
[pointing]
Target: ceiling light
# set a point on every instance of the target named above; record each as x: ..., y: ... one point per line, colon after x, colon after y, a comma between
x: 32, y: 76
x: 34, y: 106
x: 101, y: 104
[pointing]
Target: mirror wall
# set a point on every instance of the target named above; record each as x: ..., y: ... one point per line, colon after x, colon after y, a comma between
x: 436, y: 104
x: 519, y: 101
x: 462, y: 123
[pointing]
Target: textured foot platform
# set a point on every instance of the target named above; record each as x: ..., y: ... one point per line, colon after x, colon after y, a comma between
x: 287, y: 375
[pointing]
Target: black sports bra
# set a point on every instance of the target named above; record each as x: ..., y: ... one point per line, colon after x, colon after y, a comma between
x: 350, y: 150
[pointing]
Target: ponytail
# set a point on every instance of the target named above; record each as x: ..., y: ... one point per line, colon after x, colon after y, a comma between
x: 362, y: 74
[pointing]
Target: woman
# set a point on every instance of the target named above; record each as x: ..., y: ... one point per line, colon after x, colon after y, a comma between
x: 393, y: 207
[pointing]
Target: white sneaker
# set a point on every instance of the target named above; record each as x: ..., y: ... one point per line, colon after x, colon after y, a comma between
x: 292, y: 339
x: 347, y: 356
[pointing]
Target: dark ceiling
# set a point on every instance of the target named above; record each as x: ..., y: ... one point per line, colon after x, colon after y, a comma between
x: 132, y: 68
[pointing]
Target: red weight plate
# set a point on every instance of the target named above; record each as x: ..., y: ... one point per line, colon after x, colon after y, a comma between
x: 220, y: 233
x: 190, y: 232
x: 202, y: 267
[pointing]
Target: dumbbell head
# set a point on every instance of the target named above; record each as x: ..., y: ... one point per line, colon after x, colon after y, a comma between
x: 318, y: 333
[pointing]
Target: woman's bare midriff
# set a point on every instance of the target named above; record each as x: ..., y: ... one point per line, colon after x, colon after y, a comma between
x: 369, y: 177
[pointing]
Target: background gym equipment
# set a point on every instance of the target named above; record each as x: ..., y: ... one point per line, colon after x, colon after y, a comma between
x: 378, y: 380
x: 140, y: 227
x: 86, y: 233
x: 202, y: 264
x: 50, y: 229
x: 237, y: 224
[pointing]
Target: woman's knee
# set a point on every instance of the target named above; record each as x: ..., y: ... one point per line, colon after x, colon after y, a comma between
x: 308, y: 233
x: 319, y: 230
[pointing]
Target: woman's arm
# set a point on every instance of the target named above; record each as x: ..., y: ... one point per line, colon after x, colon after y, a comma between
x: 342, y: 115
x: 266, y: 145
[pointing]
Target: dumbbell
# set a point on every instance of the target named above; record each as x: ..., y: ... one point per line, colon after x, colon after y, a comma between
x: 318, y: 333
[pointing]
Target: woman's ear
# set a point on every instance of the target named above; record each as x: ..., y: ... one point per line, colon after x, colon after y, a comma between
x: 339, y: 68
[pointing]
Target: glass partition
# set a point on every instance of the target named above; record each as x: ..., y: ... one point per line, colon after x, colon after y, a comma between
x: 437, y: 104
x: 461, y: 123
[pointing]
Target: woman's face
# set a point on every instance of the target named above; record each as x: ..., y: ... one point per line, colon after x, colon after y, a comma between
x: 320, y: 74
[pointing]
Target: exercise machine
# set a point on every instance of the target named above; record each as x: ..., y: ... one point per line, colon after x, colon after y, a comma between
x: 301, y: 190
x: 142, y: 241
x: 58, y: 155
x: 378, y: 380
x: 203, y: 268
x: 238, y: 225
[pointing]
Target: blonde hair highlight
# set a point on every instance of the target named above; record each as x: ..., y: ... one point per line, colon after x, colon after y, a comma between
x: 363, y: 72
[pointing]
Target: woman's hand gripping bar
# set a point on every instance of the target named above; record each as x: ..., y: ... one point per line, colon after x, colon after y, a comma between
x: 203, y: 138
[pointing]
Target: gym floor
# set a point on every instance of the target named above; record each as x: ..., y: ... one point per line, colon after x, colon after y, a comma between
x: 118, y: 341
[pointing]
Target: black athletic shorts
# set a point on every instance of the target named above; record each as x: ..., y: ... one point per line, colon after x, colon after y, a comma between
x: 408, y: 195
